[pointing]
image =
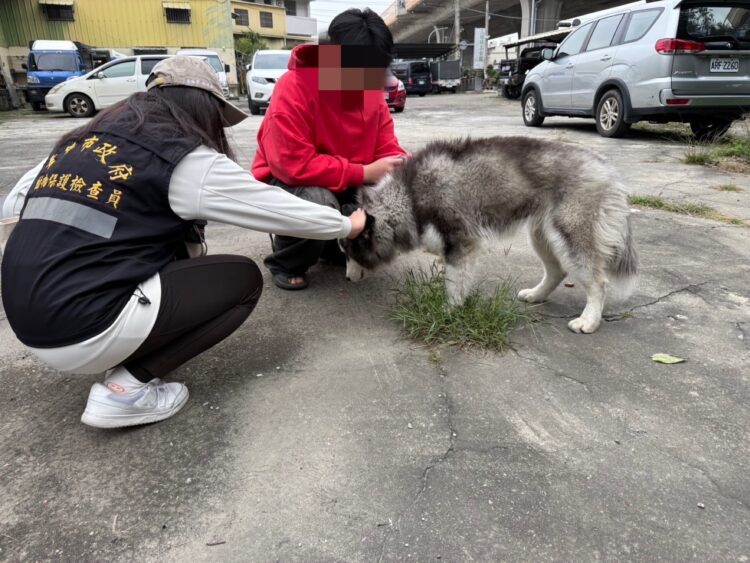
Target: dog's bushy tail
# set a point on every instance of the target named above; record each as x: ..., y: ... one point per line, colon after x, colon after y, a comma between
x: 623, y: 263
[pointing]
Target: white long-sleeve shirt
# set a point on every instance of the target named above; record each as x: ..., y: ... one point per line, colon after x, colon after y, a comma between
x: 205, y: 185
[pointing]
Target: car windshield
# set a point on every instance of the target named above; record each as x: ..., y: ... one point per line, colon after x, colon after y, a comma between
x: 714, y: 21
x: 271, y: 61
x: 55, y: 61
x: 215, y: 62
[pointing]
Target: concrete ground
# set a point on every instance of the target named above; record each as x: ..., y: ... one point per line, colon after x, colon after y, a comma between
x: 318, y: 433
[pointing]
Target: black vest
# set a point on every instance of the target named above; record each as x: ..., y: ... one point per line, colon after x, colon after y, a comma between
x: 96, y: 222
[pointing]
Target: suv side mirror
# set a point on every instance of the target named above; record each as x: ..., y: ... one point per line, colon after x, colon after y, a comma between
x: 248, y: 67
x: 548, y: 54
x: 100, y: 75
x: 24, y: 66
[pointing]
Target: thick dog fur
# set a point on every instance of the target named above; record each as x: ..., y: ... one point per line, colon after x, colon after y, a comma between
x: 453, y: 194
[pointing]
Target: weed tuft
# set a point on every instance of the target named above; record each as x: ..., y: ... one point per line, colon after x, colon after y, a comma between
x: 422, y: 309
x: 683, y: 208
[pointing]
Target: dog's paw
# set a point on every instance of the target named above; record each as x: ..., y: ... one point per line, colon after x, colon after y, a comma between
x: 584, y: 325
x: 530, y: 296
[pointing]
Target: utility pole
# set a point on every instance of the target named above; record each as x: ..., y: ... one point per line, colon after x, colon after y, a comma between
x: 457, y: 26
x: 486, y: 34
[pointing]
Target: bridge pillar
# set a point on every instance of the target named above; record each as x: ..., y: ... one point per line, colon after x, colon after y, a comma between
x: 539, y: 15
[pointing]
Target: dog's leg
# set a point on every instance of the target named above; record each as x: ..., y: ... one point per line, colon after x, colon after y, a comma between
x: 459, y: 273
x: 553, y: 271
x: 596, y: 290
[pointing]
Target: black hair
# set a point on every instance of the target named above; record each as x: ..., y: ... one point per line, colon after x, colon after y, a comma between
x: 168, y: 112
x: 363, y: 28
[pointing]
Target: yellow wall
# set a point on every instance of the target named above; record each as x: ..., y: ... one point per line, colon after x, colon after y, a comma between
x: 123, y: 23
x: 254, y: 10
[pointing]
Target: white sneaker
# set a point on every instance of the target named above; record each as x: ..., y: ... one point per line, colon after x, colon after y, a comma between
x: 122, y: 400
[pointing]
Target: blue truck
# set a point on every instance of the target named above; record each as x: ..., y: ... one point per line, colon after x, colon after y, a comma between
x: 52, y: 62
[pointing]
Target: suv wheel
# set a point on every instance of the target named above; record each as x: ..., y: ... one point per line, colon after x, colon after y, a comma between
x: 531, y: 115
x: 254, y: 108
x: 610, y: 115
x: 79, y: 105
x: 708, y: 129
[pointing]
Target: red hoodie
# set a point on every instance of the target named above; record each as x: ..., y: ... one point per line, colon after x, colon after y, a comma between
x: 321, y: 138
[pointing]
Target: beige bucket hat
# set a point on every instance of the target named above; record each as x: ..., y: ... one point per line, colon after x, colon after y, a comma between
x: 194, y: 73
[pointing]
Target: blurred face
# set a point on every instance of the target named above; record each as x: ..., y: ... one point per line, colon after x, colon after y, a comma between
x: 349, y: 68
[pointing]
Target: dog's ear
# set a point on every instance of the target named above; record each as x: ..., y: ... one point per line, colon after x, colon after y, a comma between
x: 369, y: 224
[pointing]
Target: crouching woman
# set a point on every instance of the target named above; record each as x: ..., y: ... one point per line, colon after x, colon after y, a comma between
x: 91, y: 276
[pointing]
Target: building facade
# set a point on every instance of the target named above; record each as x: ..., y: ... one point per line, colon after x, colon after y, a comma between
x: 128, y: 27
x: 281, y: 23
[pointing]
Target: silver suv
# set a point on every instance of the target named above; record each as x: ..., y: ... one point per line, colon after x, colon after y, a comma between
x: 670, y: 60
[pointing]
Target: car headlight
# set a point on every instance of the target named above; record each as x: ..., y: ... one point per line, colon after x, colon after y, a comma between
x: 401, y: 86
x: 55, y: 89
x: 259, y: 80
x: 32, y: 80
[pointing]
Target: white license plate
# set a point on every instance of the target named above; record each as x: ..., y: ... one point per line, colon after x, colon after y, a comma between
x: 725, y: 65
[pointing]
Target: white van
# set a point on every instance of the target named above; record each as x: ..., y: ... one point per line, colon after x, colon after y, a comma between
x: 262, y: 74
x: 213, y: 59
x: 103, y: 86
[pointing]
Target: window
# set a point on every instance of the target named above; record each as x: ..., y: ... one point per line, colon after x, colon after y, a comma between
x: 241, y: 18
x: 604, y: 33
x: 709, y: 21
x: 291, y: 7
x: 178, y: 15
x: 59, y: 13
x: 267, y: 60
x: 147, y: 65
x: 640, y: 23
x: 266, y: 19
x: 574, y: 43
x: 268, y: 2
x: 118, y: 70
x: 54, y: 61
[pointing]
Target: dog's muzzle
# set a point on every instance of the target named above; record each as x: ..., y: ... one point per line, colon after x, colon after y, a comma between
x: 354, y: 272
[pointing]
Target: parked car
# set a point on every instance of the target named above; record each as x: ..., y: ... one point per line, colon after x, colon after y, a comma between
x: 212, y: 58
x: 395, y: 93
x: 415, y: 75
x: 513, y: 71
x: 446, y: 75
x: 266, y: 68
x: 662, y: 61
x: 103, y: 86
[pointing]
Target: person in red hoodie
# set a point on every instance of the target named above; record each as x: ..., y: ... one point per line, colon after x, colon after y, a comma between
x: 328, y: 131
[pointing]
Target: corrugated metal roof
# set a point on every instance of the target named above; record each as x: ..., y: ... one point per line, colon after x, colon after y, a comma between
x: 177, y: 5
x: 57, y: 2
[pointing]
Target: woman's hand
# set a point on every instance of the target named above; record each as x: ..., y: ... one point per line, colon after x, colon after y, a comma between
x: 374, y: 172
x: 358, y: 219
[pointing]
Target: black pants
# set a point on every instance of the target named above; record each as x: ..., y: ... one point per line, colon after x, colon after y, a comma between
x: 294, y: 256
x: 203, y: 300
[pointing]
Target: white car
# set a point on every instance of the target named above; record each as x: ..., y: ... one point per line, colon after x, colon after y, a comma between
x: 266, y: 68
x: 212, y: 58
x: 102, y: 87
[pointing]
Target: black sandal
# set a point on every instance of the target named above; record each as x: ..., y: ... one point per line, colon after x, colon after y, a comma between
x: 281, y: 280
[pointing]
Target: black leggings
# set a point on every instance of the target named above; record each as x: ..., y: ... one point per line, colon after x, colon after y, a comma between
x: 203, y: 300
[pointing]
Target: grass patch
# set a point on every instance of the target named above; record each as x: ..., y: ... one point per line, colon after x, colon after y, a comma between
x: 700, y: 155
x: 421, y: 308
x: 683, y: 208
x: 735, y: 148
x: 729, y: 188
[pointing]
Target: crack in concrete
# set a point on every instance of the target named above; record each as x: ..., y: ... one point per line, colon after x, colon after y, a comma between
x: 688, y: 288
x: 554, y: 372
x: 710, y: 479
x: 434, y: 462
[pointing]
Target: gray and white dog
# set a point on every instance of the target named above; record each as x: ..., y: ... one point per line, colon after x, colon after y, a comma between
x: 454, y: 194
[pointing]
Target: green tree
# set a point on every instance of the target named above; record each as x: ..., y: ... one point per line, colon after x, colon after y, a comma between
x: 245, y: 47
